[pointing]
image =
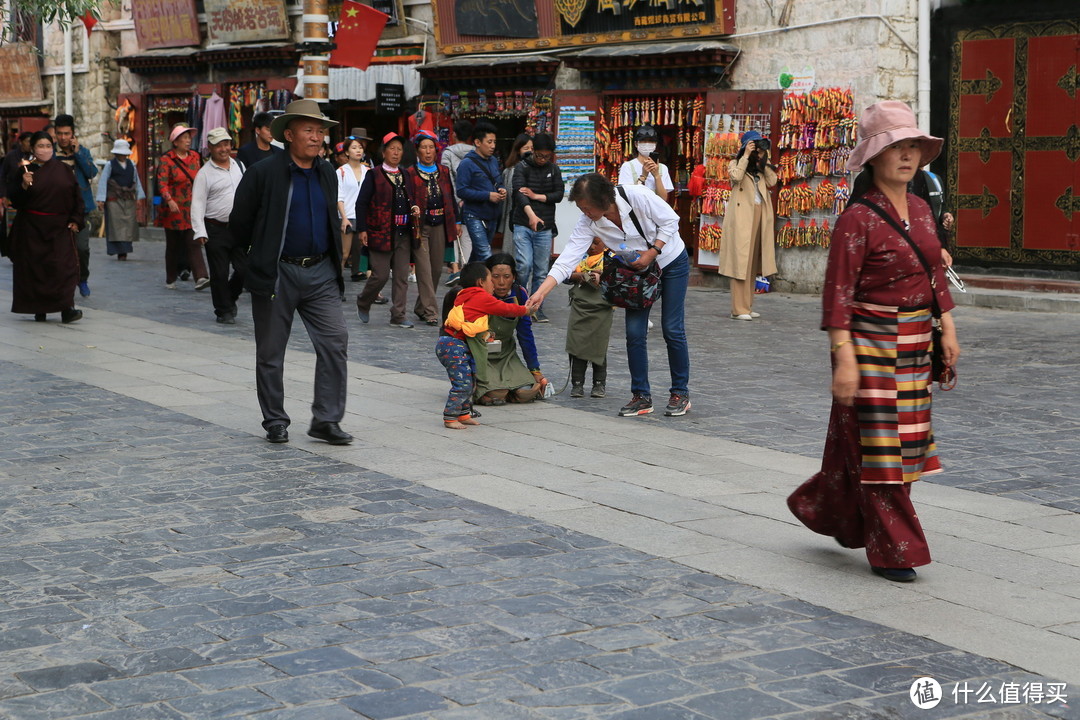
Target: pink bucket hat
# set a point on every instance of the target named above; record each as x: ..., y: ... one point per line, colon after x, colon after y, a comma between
x: 179, y: 130
x: 885, y: 123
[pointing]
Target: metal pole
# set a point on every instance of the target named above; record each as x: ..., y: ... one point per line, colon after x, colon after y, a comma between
x: 68, y: 80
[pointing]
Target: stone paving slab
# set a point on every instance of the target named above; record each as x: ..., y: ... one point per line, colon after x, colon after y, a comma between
x: 1009, y: 430
x: 724, y: 475
x: 159, y: 566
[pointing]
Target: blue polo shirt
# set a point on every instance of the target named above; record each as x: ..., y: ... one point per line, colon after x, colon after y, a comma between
x: 307, y: 231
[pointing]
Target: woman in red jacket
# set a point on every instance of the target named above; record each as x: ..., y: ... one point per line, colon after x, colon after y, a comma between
x: 434, y: 195
x: 175, y: 177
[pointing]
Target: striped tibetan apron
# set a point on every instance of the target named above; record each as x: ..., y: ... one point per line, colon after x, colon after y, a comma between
x: 893, y: 402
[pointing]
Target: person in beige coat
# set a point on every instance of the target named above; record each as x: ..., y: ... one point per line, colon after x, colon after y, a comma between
x: 748, y: 246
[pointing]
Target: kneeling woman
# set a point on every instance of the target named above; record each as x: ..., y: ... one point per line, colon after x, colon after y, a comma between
x: 506, y: 378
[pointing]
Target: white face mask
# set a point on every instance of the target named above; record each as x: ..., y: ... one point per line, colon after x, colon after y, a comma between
x: 646, y: 148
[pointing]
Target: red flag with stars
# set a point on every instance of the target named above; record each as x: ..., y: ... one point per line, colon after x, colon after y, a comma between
x: 358, y: 33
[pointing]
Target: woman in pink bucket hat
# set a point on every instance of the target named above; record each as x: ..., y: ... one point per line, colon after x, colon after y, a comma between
x: 884, y: 286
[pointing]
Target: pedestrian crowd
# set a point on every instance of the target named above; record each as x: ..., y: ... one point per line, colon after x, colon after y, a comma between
x: 290, y: 221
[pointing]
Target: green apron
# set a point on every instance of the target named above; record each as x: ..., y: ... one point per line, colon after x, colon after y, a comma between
x: 504, y: 370
x: 589, y: 327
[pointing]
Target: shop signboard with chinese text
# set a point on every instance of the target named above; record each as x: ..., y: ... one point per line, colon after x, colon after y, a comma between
x: 21, y: 80
x: 389, y: 99
x: 475, y: 26
x: 165, y: 23
x: 246, y: 20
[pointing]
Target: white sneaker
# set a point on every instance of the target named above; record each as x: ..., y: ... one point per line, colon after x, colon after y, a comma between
x: 412, y: 277
x: 755, y: 315
x: 744, y: 316
x: 170, y: 286
x: 650, y: 325
x: 202, y: 283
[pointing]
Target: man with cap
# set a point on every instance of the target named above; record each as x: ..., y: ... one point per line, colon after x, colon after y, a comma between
x: 119, y: 187
x: 211, y: 204
x: 71, y: 153
x: 285, y: 214
x: 176, y: 176
x: 385, y: 207
x: 259, y: 148
x: 645, y: 168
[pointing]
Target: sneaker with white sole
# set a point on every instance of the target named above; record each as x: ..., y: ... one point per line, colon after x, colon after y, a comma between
x: 202, y: 283
x: 677, y: 405
x: 638, y: 405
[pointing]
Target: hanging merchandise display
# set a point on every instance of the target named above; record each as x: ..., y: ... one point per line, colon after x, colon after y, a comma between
x: 680, y: 121
x: 722, y: 144
x: 252, y: 95
x: 817, y: 134
x: 535, y: 107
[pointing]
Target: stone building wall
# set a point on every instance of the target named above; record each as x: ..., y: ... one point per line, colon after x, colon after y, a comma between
x: 863, y: 54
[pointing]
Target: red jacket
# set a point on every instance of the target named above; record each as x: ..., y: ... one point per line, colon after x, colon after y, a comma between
x: 478, y: 302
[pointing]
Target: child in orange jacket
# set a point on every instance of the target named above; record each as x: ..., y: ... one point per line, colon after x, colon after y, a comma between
x: 465, y: 316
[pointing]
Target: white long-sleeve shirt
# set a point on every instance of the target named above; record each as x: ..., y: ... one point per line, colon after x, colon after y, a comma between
x: 631, y: 170
x: 348, y: 187
x: 657, y: 219
x: 212, y: 194
x: 103, y: 184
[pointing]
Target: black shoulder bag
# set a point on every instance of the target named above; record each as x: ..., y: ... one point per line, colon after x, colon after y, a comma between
x: 939, y: 371
x: 622, y: 285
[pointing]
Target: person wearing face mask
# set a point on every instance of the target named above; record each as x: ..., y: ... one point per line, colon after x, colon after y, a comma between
x: 749, y: 248
x: 646, y: 169
x: 51, y: 210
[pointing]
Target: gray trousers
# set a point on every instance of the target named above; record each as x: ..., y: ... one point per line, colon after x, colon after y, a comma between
x: 82, y: 244
x: 381, y: 264
x: 314, y: 293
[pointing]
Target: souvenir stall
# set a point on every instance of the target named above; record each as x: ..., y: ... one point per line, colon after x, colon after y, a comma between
x: 713, y: 187
x: 679, y: 119
x: 817, y: 134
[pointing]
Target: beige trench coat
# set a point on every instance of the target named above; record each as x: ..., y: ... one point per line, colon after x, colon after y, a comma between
x: 739, y: 222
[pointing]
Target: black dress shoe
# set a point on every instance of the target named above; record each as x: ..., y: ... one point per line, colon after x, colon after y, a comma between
x: 70, y: 316
x: 330, y: 432
x: 895, y: 574
x: 277, y: 434
x: 39, y: 317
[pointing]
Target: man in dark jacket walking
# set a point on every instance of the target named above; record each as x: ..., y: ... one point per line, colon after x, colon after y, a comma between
x: 285, y: 213
x: 537, y: 188
x: 480, y: 187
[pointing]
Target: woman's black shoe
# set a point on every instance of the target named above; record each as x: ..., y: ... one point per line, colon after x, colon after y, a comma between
x: 70, y: 316
x: 39, y: 317
x: 895, y: 574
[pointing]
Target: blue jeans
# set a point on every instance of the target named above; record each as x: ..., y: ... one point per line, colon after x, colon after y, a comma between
x: 482, y: 233
x: 532, y: 252
x: 673, y: 283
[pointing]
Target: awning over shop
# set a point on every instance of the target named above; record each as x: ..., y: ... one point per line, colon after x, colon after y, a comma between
x: 493, y: 71
x: 357, y: 84
x: 194, y: 59
x: 25, y: 109
x: 660, y: 59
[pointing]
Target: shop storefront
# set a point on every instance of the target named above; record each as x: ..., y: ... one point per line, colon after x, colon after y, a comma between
x: 203, y: 89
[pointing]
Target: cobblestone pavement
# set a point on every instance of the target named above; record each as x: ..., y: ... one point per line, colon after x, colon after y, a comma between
x: 1010, y: 429
x: 156, y: 566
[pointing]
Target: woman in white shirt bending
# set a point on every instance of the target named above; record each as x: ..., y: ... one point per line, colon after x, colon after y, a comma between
x: 607, y: 215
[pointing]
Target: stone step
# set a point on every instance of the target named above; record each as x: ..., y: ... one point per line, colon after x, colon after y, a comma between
x: 1022, y: 284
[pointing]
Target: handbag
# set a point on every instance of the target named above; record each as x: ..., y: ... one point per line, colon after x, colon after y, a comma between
x: 622, y: 285
x: 939, y: 371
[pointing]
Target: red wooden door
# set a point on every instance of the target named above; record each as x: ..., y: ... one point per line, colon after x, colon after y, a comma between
x: 1052, y: 150
x: 984, y: 177
x: 1014, y: 144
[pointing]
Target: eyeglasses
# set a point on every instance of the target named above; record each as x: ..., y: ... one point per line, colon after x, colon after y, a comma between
x: 545, y: 156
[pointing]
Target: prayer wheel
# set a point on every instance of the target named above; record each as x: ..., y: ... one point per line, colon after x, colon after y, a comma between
x: 316, y: 36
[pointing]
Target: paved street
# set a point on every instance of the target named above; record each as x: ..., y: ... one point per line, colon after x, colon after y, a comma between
x: 159, y: 560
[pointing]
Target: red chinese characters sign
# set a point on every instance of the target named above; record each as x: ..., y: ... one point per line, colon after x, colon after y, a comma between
x: 165, y: 23
x: 246, y: 20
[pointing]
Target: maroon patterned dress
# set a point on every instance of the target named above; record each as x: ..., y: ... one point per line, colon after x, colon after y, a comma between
x: 876, y: 287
